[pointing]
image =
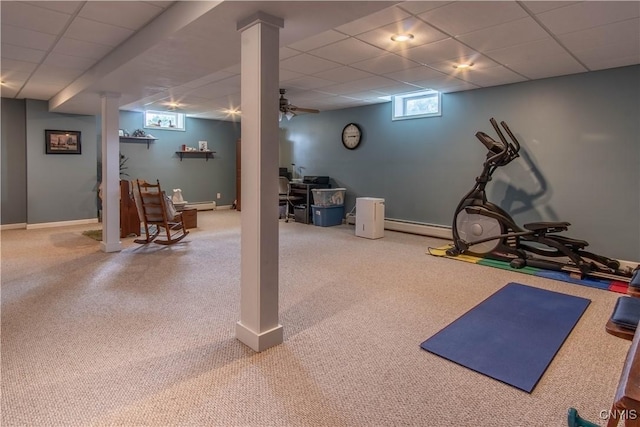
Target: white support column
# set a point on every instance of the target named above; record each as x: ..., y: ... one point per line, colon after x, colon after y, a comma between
x: 258, y: 326
x: 110, y: 173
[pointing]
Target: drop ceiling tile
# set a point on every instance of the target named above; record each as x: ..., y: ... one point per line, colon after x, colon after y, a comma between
x: 318, y: 40
x: 343, y: 74
x: 284, y: 75
x: 457, y: 87
x: 8, y: 91
x: 366, y: 95
x: 397, y: 88
x: 441, y: 84
x: 286, y: 52
x: 26, y: 38
x: 602, y: 54
x: 527, y: 51
x: 68, y: 7
x: 414, y: 74
x: 547, y: 66
x: 480, y: 62
x: 54, y: 75
x: 375, y: 20
x: 370, y: 83
x: 41, y: 90
x: 210, y: 78
x: 438, y: 51
x: 347, y: 51
x: 21, y: 53
x: 307, y: 64
x: 384, y: 64
x: 97, y: 32
x: 504, y: 35
x: 307, y: 82
x: 81, y: 48
x: 492, y: 77
x: 621, y: 35
x: 127, y: 14
x: 34, y: 18
x: 602, y: 64
x: 417, y: 7
x: 587, y: 14
x: 544, y: 6
x: 423, y: 34
x: 462, y: 17
x: 14, y: 66
x: 68, y: 61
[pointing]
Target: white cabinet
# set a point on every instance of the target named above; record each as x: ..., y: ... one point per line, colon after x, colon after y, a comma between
x: 370, y: 217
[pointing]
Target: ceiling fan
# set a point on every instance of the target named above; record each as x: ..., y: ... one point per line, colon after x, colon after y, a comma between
x: 287, y: 110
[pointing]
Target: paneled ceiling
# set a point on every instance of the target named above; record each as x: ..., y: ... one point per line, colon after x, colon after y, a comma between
x: 334, y: 54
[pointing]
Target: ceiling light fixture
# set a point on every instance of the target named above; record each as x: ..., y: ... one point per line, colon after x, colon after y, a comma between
x: 402, y: 37
x: 463, y: 66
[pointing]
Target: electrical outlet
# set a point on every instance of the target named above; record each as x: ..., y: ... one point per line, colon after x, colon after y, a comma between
x: 218, y: 195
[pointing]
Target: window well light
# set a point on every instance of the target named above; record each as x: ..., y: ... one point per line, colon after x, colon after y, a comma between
x: 402, y: 37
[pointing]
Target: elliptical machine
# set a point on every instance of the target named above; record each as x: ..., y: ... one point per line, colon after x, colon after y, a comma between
x: 483, y: 229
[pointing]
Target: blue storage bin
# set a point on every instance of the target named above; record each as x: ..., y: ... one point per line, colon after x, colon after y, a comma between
x: 326, y: 216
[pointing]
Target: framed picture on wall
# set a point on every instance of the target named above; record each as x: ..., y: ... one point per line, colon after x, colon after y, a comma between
x: 62, y: 142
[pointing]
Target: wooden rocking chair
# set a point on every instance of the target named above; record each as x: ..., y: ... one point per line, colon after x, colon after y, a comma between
x: 158, y: 215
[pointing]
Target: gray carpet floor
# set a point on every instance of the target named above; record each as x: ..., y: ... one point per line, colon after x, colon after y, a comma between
x: 145, y: 336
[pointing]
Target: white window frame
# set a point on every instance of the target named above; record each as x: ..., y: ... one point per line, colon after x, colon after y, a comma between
x: 399, y: 104
x: 170, y: 120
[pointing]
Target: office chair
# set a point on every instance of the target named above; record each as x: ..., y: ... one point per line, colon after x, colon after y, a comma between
x: 284, y: 195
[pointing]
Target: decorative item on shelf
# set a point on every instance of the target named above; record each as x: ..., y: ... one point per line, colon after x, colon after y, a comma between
x: 202, y: 145
x: 138, y: 133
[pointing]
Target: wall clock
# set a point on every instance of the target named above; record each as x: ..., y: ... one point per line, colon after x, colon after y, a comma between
x: 351, y: 136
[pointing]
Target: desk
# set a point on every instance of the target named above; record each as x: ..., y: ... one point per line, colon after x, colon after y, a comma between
x: 303, y: 190
x: 626, y: 403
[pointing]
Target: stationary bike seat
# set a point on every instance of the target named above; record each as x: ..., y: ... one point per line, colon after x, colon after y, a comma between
x: 548, y: 227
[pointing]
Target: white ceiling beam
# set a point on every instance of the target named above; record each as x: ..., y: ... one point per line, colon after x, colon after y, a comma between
x: 175, y: 18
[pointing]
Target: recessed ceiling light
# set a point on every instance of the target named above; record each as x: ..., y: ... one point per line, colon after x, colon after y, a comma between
x: 402, y: 37
x: 463, y: 66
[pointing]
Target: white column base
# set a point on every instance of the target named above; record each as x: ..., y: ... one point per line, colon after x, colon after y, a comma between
x: 111, y: 247
x: 259, y: 341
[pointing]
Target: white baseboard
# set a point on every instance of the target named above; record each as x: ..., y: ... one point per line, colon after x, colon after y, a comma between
x: 62, y: 223
x: 202, y: 206
x: 17, y: 226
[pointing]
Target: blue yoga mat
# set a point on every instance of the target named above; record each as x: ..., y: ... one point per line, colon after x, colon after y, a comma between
x: 511, y: 336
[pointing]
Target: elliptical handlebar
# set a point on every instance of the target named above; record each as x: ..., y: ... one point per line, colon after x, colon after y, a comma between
x: 500, y: 152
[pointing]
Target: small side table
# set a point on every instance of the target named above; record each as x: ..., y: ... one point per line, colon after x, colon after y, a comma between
x: 190, y: 217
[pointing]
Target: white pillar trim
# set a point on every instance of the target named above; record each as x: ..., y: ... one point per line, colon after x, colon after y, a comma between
x: 110, y: 172
x: 259, y: 326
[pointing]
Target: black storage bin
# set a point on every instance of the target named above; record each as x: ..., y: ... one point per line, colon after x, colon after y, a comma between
x: 300, y: 214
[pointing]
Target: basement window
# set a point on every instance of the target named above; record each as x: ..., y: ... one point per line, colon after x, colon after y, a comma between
x: 167, y: 120
x: 415, y: 105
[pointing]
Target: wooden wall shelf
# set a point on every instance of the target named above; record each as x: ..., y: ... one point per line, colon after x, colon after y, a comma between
x: 137, y: 139
x: 205, y: 154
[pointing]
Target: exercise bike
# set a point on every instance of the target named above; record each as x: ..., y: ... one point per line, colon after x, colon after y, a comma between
x: 483, y: 229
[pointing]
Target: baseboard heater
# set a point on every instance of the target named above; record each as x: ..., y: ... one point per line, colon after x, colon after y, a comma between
x: 420, y: 228
x: 423, y: 229
x: 202, y: 206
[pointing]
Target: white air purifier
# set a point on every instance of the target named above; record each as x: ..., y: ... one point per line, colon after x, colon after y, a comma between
x: 370, y: 217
